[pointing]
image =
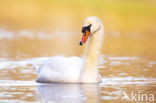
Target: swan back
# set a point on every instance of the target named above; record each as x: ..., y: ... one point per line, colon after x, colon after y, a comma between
x: 60, y: 69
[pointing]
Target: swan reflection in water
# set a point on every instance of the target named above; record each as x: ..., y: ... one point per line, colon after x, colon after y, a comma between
x: 68, y: 93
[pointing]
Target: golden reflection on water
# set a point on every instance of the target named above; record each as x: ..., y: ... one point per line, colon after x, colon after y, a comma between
x: 119, y: 74
x: 31, y: 31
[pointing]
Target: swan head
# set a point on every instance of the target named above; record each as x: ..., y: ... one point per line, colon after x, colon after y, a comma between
x: 90, y: 26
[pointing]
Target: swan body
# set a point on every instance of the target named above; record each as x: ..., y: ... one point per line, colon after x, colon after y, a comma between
x: 76, y: 69
x: 60, y: 69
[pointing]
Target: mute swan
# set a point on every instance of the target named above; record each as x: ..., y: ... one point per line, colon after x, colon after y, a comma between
x: 75, y: 69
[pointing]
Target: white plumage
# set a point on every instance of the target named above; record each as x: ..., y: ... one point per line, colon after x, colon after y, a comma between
x: 60, y: 69
x: 75, y: 69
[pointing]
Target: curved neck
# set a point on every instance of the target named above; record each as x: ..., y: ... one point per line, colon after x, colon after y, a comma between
x: 92, y: 53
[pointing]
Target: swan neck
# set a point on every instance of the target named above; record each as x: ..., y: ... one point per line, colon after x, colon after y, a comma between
x: 91, y: 57
x: 93, y: 48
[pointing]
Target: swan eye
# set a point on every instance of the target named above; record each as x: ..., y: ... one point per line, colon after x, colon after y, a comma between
x: 86, y: 28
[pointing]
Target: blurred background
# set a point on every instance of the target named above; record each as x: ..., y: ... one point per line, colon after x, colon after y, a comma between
x: 35, y: 28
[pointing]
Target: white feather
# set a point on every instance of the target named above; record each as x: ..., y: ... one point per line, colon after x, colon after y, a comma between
x: 60, y: 69
x: 75, y: 69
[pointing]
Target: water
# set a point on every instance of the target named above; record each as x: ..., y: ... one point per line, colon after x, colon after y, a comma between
x: 33, y: 30
x: 120, y: 75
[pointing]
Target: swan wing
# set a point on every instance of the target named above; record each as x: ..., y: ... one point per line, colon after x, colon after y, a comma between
x: 60, y: 69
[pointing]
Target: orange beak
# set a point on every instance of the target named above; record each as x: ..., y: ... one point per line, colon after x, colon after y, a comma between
x: 84, y: 37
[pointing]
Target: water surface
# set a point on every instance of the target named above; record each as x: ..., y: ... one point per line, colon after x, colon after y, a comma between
x: 119, y: 75
x: 34, y: 30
